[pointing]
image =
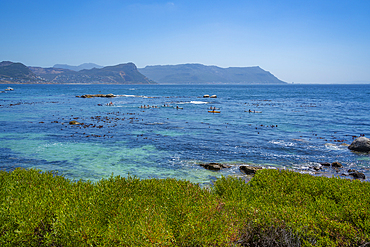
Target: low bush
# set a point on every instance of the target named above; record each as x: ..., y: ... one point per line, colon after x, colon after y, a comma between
x: 276, y: 208
x: 320, y: 211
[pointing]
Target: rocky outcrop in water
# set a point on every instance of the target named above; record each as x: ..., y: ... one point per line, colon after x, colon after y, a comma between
x: 356, y: 174
x: 360, y: 144
x: 214, y: 166
x: 110, y: 95
x: 250, y: 170
x: 336, y: 164
x: 74, y: 122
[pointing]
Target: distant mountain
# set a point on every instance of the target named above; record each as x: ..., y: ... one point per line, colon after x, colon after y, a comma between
x: 202, y: 74
x: 118, y: 74
x: 77, y: 68
x: 15, y: 70
x: 129, y: 74
x: 49, y: 73
x: 16, y: 73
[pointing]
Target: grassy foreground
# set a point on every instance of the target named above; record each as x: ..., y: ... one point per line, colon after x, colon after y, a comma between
x: 276, y: 208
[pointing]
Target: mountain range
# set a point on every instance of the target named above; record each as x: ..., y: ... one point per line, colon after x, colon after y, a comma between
x: 119, y: 74
x: 128, y: 73
x: 15, y: 72
x: 202, y: 74
x: 79, y: 67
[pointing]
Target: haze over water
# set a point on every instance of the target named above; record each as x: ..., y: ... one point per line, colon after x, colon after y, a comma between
x: 294, y: 127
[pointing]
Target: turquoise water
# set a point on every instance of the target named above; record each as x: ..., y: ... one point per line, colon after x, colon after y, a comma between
x: 295, y: 126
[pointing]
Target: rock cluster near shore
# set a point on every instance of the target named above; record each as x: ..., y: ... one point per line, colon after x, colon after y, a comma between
x: 252, y: 169
x: 214, y: 166
x: 360, y: 144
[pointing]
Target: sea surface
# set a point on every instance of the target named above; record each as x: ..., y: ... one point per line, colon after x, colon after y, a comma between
x: 289, y: 127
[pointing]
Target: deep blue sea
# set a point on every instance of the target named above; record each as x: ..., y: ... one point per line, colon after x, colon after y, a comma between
x: 294, y: 127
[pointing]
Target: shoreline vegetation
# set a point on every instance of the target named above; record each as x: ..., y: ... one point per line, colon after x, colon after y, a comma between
x: 275, y: 208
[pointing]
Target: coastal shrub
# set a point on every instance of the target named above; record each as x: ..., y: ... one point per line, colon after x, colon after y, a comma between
x: 321, y: 211
x: 276, y: 208
x: 43, y: 209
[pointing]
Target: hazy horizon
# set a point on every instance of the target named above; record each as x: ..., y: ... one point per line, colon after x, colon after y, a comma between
x: 301, y: 42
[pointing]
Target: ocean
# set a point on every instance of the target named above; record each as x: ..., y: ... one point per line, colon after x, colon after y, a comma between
x: 274, y: 126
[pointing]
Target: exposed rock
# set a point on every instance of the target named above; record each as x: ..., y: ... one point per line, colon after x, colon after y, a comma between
x: 214, y: 166
x: 316, y: 167
x: 206, y: 96
x: 250, y: 169
x: 110, y: 95
x: 325, y: 164
x: 336, y: 164
x: 213, y: 96
x: 74, y: 122
x: 360, y: 144
x: 356, y: 174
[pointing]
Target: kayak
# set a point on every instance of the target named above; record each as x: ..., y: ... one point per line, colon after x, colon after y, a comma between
x: 214, y: 111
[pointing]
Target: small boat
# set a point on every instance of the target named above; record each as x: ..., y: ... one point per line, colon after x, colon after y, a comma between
x: 213, y: 111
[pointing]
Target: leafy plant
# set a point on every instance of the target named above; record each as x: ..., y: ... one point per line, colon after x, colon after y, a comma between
x: 279, y: 208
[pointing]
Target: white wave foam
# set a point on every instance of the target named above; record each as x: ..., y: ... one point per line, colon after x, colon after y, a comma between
x: 282, y: 143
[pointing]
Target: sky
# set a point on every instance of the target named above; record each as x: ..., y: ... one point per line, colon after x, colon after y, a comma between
x: 312, y: 41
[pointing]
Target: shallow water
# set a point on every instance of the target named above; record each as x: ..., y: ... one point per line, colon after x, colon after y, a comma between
x: 295, y: 126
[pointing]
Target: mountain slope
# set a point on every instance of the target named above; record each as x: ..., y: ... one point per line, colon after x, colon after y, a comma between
x: 77, y: 68
x: 202, y: 74
x: 118, y: 74
x: 15, y: 70
x: 17, y: 73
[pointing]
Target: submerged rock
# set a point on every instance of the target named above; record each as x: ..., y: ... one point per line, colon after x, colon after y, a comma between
x: 360, y: 144
x: 250, y: 169
x: 336, y: 164
x: 316, y: 167
x: 356, y: 174
x: 74, y: 122
x: 214, y: 166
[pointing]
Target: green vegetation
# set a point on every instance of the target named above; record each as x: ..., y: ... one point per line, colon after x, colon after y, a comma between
x: 276, y: 208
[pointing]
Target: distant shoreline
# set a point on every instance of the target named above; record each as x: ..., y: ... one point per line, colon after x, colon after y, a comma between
x: 160, y: 84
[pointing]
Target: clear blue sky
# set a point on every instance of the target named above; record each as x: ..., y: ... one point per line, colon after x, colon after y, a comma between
x: 298, y: 41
